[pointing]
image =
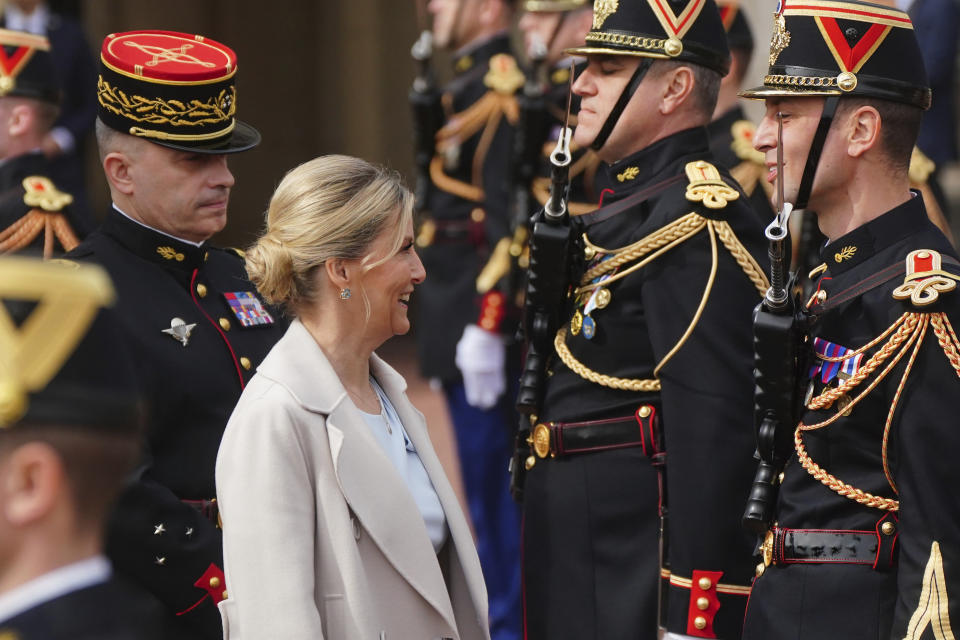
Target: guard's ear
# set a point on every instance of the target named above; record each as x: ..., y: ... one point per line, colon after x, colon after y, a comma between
x: 677, y: 86
x: 863, y: 130
x: 33, y: 482
x: 22, y: 120
x: 116, y: 166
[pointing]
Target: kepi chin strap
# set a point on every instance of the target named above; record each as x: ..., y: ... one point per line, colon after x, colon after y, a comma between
x: 816, y: 148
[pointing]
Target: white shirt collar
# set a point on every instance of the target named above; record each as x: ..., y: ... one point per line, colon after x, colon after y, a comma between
x: 163, y: 233
x: 54, y: 584
x: 36, y: 22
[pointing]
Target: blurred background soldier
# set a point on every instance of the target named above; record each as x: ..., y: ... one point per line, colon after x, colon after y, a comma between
x: 652, y: 358
x: 69, y: 432
x: 731, y: 133
x: 464, y: 217
x: 193, y: 323
x: 34, y: 213
x: 550, y: 27
x: 65, y: 143
x: 864, y: 538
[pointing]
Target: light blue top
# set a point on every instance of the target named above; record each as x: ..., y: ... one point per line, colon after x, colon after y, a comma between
x: 390, y: 434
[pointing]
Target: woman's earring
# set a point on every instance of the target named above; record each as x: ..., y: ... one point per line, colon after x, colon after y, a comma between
x: 345, y: 294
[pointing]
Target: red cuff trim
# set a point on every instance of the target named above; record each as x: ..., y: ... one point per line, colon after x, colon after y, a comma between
x: 214, y: 583
x: 704, y: 603
x: 491, y: 311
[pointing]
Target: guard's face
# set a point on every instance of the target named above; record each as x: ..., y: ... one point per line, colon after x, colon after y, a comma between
x: 444, y: 14
x: 801, y: 116
x: 599, y: 87
x: 388, y: 286
x: 183, y: 194
x: 540, y: 27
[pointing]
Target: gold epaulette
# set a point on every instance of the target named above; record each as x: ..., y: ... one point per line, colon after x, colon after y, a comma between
x: 752, y: 168
x: 45, y: 216
x: 920, y: 167
x: 925, y: 279
x: 504, y: 75
x: 707, y: 186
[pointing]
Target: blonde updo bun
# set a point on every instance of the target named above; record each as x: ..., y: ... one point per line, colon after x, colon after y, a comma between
x: 330, y: 207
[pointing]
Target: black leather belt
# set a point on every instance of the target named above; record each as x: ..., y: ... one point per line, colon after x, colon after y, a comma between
x: 558, y: 439
x: 827, y: 546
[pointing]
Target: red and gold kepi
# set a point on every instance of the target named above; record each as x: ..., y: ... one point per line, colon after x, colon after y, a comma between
x: 175, y: 89
x: 829, y: 47
x: 26, y: 67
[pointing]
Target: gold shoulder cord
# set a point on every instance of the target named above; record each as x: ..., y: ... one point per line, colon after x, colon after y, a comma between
x: 648, y: 249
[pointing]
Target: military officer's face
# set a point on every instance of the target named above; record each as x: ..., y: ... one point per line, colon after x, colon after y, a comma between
x: 556, y: 30
x: 599, y: 87
x: 444, y: 14
x: 183, y: 194
x: 801, y: 116
x: 388, y: 285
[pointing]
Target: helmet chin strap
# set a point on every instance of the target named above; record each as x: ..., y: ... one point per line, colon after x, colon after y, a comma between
x: 621, y: 104
x: 816, y: 148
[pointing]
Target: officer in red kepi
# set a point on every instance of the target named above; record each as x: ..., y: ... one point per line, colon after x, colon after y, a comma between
x: 856, y: 505
x: 640, y: 456
x: 35, y: 215
x: 193, y: 322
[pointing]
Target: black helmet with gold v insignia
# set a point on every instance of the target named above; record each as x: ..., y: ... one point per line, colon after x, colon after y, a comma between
x: 681, y: 30
x: 26, y: 67
x: 739, y: 35
x: 833, y: 48
x: 60, y: 362
x: 175, y: 89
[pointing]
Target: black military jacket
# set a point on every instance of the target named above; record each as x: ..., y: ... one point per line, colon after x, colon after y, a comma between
x: 731, y: 143
x: 890, y: 451
x: 67, y: 230
x: 112, y: 610
x: 467, y: 203
x: 191, y: 380
x: 703, y: 386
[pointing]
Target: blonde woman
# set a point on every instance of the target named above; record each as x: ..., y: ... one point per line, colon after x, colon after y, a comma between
x: 338, y: 520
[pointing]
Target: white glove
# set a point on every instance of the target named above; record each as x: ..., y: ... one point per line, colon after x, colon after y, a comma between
x: 480, y: 357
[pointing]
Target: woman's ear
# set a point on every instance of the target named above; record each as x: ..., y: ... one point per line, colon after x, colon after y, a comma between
x: 339, y: 272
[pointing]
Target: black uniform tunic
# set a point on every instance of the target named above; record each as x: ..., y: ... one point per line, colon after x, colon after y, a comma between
x: 591, y: 520
x: 154, y: 538
x: 793, y: 601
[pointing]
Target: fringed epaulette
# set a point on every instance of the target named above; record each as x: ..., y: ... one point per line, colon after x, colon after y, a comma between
x: 752, y: 168
x: 921, y: 168
x: 240, y: 253
x: 866, y: 366
x: 45, y: 215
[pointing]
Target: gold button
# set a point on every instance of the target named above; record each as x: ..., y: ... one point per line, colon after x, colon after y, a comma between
x: 887, y: 528
x: 201, y: 290
x: 530, y: 462
x: 245, y: 363
x: 645, y: 411
x: 821, y: 296
x: 488, y: 323
x: 224, y: 594
x: 700, y: 622
x: 923, y: 255
x: 477, y: 215
x: 704, y: 583
x: 206, y: 254
x: 780, y: 478
x: 760, y: 569
x: 702, y: 604
x: 214, y: 582
x: 224, y: 324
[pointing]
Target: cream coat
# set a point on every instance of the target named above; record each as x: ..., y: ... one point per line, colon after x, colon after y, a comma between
x: 321, y: 538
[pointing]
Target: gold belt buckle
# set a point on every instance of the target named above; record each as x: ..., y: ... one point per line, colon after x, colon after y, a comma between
x: 541, y: 440
x: 766, y: 552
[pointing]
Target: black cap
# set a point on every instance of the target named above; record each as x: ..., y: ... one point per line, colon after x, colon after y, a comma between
x: 26, y: 67
x: 824, y: 48
x: 739, y: 35
x: 62, y: 363
x: 175, y: 89
x: 684, y: 30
